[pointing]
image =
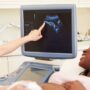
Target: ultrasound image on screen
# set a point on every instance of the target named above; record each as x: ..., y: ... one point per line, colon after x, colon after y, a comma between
x: 57, y: 33
x: 53, y: 22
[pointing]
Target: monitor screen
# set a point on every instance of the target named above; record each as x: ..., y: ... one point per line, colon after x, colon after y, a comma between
x: 59, y: 33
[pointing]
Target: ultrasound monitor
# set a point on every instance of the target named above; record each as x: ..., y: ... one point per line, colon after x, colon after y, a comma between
x: 59, y: 33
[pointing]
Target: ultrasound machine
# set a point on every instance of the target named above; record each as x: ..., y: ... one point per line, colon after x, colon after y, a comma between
x: 58, y: 42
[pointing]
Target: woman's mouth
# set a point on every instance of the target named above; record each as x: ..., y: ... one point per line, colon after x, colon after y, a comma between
x: 83, y: 57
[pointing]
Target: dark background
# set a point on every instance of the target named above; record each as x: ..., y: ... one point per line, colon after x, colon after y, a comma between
x: 51, y: 41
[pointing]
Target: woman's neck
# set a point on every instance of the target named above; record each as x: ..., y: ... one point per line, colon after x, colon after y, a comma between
x: 88, y: 74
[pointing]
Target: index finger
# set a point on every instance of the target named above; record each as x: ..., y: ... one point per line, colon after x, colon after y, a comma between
x: 41, y: 27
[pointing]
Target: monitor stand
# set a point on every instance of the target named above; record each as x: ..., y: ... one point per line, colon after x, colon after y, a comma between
x: 44, y: 59
x: 48, y: 61
x: 54, y: 63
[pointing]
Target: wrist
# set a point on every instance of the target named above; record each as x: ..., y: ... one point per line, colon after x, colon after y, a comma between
x: 27, y: 38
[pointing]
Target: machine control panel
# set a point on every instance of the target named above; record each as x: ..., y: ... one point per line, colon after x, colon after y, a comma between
x: 29, y: 71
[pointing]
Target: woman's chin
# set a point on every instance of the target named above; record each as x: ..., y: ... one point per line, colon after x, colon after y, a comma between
x: 81, y: 63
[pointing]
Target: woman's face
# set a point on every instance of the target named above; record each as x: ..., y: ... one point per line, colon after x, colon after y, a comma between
x: 85, y: 59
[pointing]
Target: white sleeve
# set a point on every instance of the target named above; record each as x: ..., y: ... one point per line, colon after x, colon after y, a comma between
x: 27, y: 85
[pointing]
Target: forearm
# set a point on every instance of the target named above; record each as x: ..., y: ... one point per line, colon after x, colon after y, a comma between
x: 3, y: 87
x: 11, y: 46
x: 34, y: 35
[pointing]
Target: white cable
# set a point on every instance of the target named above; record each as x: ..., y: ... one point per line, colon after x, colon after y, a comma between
x: 14, y: 25
x: 2, y: 28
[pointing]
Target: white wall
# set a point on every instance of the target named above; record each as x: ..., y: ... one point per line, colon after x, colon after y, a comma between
x: 83, y: 20
x: 7, y: 17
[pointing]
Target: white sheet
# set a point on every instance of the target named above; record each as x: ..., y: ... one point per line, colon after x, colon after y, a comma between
x: 60, y: 78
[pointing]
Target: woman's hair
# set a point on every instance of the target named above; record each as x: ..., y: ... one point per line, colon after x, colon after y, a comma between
x: 85, y: 72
